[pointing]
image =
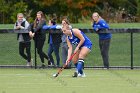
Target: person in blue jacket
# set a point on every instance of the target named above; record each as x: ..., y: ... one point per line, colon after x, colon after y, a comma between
x: 64, y: 46
x: 99, y: 24
x: 83, y: 46
x: 54, y: 40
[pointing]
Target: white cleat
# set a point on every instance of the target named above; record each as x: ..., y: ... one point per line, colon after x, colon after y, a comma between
x: 81, y: 75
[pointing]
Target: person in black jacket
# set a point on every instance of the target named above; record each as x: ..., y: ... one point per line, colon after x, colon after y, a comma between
x: 39, y: 36
x: 23, y: 38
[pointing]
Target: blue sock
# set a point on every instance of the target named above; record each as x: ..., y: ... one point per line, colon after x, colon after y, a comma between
x: 76, y: 64
x: 80, y: 66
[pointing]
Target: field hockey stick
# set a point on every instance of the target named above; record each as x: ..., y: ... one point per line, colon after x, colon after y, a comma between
x: 65, y: 65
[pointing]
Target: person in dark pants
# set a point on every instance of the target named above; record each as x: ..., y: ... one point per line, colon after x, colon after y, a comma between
x: 99, y: 25
x: 39, y: 35
x: 23, y: 38
x: 54, y: 42
x: 65, y: 50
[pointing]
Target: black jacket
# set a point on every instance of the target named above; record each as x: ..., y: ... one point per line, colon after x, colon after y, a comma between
x: 26, y: 36
x: 39, y: 32
x: 56, y: 37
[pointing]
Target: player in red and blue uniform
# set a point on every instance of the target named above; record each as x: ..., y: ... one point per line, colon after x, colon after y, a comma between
x: 83, y: 46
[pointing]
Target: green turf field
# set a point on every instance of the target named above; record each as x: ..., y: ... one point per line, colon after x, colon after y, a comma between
x: 112, y: 25
x: 119, y: 48
x: 86, y: 25
x: 96, y: 81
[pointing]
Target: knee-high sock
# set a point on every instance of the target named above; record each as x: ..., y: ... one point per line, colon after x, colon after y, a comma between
x: 76, y: 64
x: 80, y: 66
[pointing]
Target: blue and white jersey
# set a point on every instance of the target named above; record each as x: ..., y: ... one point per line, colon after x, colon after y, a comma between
x: 75, y: 40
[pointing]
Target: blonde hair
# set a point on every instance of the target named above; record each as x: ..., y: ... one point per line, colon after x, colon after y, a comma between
x: 97, y: 14
x: 20, y: 14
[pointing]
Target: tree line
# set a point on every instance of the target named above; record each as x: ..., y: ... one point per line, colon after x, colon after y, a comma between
x: 75, y: 10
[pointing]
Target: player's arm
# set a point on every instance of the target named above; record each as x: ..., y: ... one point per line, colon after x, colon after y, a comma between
x: 78, y: 34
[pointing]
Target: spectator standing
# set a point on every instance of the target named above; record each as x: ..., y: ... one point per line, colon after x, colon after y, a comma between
x: 99, y: 25
x: 36, y: 31
x: 23, y: 38
x: 54, y: 42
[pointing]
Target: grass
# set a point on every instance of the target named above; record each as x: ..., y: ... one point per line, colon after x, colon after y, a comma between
x: 6, y: 26
x: 86, y: 25
x: 112, y: 25
x: 41, y: 81
x: 119, y: 52
x: 119, y: 49
x: 97, y: 81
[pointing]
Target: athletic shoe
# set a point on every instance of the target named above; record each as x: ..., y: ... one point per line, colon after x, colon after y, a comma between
x: 51, y: 65
x: 57, y: 66
x: 81, y: 75
x: 49, y: 62
x: 75, y: 74
x: 28, y: 64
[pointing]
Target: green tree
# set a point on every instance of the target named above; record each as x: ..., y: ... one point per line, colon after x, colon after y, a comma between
x: 138, y: 8
x: 4, y: 8
x: 19, y: 7
x: 74, y: 9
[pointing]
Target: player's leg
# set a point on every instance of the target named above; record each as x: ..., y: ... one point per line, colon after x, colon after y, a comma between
x: 75, y: 58
x: 83, y: 53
